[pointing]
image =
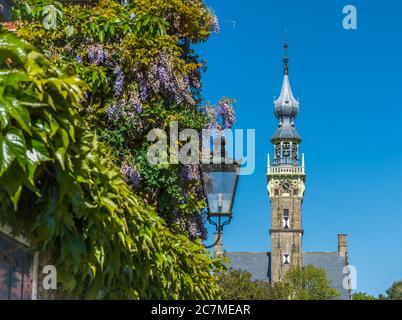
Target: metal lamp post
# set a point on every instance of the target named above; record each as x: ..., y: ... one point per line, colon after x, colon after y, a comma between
x: 220, y: 180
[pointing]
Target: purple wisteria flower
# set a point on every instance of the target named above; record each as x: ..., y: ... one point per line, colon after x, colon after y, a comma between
x: 113, y: 113
x: 142, y: 83
x: 215, y: 27
x: 78, y: 58
x: 133, y: 16
x: 194, y: 226
x: 143, y: 90
x: 135, y: 102
x: 197, y: 228
x: 226, y: 112
x: 212, y: 117
x: 97, y: 54
x: 190, y: 172
x: 132, y: 176
x: 119, y: 81
x: 164, y: 81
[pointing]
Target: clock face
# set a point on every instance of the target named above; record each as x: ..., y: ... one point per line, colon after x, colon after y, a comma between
x: 286, y: 184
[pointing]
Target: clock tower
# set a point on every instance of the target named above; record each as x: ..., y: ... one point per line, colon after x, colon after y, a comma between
x: 286, y: 183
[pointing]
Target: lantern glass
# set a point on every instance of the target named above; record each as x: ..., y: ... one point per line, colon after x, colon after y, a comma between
x: 220, y: 183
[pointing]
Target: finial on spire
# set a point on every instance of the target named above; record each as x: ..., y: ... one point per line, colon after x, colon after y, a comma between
x: 285, y: 58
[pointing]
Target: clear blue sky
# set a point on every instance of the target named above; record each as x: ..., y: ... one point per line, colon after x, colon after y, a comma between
x: 350, y: 88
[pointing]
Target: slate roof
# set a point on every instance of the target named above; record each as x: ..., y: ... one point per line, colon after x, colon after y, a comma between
x: 256, y: 263
x: 259, y: 265
x: 333, y: 264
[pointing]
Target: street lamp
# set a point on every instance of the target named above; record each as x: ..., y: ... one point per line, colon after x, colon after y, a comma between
x: 220, y: 180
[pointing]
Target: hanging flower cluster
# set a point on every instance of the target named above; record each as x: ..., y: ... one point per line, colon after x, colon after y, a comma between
x: 119, y: 81
x: 194, y: 225
x: 134, y: 101
x: 164, y: 81
x: 132, y: 176
x: 141, y: 79
x: 190, y: 172
x: 113, y: 112
x: 226, y: 113
x: 221, y: 116
x: 97, y: 54
x: 128, y: 106
x: 215, y: 27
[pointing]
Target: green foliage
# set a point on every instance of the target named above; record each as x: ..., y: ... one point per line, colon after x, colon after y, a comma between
x: 61, y: 190
x: 363, y: 296
x: 238, y: 285
x: 304, y: 283
x: 299, y: 283
x: 134, y: 36
x: 395, y: 291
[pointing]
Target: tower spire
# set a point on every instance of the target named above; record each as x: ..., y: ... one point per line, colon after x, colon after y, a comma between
x: 285, y: 57
x: 286, y: 108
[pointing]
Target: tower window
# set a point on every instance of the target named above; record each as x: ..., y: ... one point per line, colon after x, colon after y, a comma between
x: 286, y: 258
x: 277, y: 151
x: 286, y: 149
x: 286, y: 219
x: 295, y: 154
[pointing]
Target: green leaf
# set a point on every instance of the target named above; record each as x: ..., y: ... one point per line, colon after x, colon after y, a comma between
x: 101, y: 36
x: 27, y: 8
x: 16, y: 145
x: 3, y: 115
x: 109, y: 204
x: 6, y: 156
x: 14, y: 49
x: 60, y: 157
x: 35, y: 156
x: 92, y: 26
x: 13, y: 182
x: 21, y: 115
x: 15, y: 78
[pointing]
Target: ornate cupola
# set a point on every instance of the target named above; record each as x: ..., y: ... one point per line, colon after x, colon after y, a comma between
x: 286, y: 140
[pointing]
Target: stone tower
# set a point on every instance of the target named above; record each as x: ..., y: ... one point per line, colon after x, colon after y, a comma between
x: 286, y: 183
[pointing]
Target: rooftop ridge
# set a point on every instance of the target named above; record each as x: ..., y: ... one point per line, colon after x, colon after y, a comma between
x: 320, y: 252
x: 247, y: 252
